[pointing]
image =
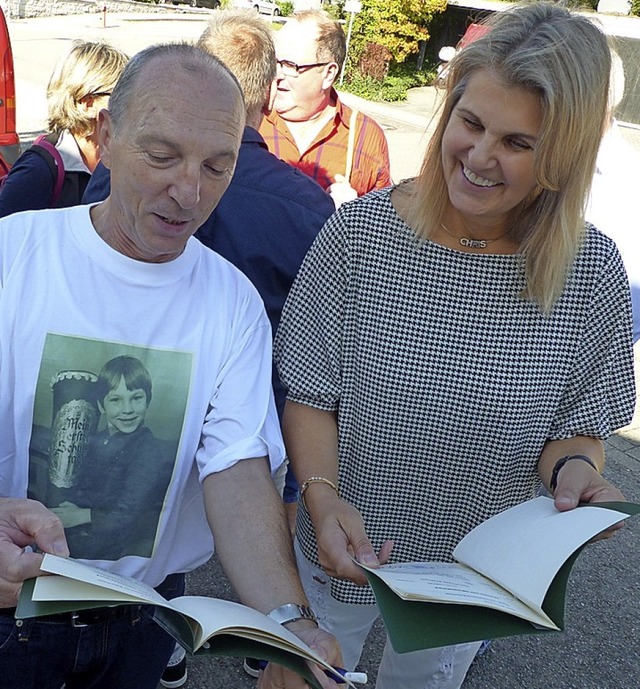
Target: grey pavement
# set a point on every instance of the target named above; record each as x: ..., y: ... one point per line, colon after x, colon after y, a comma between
x: 600, y: 647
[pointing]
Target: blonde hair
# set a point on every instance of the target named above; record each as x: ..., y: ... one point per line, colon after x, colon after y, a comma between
x: 243, y: 41
x: 89, y: 68
x: 565, y: 60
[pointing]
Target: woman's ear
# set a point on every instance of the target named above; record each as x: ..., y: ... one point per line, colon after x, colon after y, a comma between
x: 87, y: 102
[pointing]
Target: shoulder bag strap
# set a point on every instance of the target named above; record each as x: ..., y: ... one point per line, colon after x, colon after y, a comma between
x: 43, y: 143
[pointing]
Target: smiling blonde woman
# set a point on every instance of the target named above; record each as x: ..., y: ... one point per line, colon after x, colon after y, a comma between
x: 455, y: 343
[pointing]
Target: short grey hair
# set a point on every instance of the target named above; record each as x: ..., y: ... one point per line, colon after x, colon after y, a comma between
x: 332, y: 43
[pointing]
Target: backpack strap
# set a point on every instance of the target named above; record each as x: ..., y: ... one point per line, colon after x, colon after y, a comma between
x: 50, y: 153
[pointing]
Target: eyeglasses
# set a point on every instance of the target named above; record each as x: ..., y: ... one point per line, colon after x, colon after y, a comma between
x: 291, y: 69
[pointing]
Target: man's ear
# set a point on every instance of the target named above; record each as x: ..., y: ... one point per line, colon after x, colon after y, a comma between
x: 332, y: 71
x: 104, y: 129
x: 271, y: 97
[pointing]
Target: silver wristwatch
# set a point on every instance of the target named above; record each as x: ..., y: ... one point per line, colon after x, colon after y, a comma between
x: 290, y: 612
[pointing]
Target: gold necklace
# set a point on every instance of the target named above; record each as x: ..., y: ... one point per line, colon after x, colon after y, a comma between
x: 471, y: 243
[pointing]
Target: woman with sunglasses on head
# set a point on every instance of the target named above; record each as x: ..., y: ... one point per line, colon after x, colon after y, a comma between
x: 455, y: 343
x: 54, y: 172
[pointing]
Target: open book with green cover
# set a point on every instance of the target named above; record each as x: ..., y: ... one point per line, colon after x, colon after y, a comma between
x: 200, y: 624
x: 510, y: 577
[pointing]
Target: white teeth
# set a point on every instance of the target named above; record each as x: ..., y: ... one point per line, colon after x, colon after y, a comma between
x: 478, y: 181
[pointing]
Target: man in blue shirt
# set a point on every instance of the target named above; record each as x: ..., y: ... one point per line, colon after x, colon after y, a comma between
x: 271, y: 212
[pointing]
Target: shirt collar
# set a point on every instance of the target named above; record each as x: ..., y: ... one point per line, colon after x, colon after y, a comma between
x: 70, y: 153
x: 252, y: 136
x: 342, y: 111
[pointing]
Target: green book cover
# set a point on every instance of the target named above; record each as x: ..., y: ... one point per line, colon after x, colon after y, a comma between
x: 414, y: 624
x: 202, y: 625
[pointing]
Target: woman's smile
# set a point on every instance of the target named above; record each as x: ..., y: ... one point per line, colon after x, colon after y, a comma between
x: 488, y: 151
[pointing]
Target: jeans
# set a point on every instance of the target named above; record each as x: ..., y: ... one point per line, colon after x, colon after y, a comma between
x: 434, y: 668
x: 129, y: 652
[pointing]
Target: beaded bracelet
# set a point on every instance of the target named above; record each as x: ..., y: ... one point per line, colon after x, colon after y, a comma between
x: 553, y: 483
x: 315, y: 479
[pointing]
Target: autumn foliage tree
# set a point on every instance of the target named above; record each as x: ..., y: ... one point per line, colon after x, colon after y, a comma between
x: 397, y: 25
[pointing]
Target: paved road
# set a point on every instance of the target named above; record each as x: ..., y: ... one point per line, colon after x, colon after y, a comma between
x: 38, y: 44
x: 600, y: 649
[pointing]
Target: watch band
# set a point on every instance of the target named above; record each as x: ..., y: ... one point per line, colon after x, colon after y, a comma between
x: 553, y: 483
x: 290, y: 612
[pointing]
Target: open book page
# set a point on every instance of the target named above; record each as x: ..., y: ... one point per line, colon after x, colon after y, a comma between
x: 210, y: 615
x: 523, y: 548
x: 59, y: 588
x: 215, y: 616
x: 90, y: 583
x: 206, y: 617
x: 443, y: 582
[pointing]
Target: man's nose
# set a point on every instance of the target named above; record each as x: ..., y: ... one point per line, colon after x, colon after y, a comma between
x: 185, y: 189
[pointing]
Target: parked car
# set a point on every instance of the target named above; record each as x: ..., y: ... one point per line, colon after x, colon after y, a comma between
x: 9, y: 140
x: 211, y: 4
x: 262, y: 6
x: 448, y: 52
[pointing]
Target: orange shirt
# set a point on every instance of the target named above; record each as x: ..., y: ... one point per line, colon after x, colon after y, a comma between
x: 327, y: 155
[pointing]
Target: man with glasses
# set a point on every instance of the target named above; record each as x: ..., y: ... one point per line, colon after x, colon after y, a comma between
x: 309, y: 126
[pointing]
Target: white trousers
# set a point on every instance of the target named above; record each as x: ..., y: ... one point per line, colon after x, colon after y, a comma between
x: 437, y: 668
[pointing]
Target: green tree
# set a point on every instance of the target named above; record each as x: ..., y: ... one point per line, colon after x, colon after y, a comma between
x: 398, y: 25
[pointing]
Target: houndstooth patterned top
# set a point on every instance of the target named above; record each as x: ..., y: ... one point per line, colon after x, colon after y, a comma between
x: 447, y: 384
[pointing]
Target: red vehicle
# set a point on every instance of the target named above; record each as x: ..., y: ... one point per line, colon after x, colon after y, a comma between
x: 9, y: 140
x: 447, y: 52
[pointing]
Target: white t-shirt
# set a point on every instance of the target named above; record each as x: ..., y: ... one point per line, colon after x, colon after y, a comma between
x: 68, y: 304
